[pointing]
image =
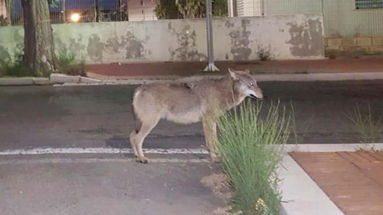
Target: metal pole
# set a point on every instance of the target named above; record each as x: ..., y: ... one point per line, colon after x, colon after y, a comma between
x: 63, y: 11
x: 209, y: 29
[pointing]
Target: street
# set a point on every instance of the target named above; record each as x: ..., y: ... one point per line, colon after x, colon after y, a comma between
x: 85, y: 117
x: 101, y: 116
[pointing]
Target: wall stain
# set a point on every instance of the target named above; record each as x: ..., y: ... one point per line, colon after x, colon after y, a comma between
x: 128, y: 43
x: 187, y: 48
x: 113, y: 44
x: 95, y: 48
x: 134, y: 47
x: 307, y: 39
x: 229, y: 24
x: 74, y: 47
x: 4, y: 55
x: 240, y: 41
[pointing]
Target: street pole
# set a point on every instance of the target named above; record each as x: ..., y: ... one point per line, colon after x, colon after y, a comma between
x: 209, y: 29
x: 63, y: 11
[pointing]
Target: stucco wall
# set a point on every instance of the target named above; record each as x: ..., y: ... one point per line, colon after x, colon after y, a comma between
x: 284, y: 37
x: 341, y: 19
x: 289, y: 7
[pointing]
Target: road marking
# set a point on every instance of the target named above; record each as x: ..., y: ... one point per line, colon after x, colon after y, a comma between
x: 46, y: 151
x: 18, y: 161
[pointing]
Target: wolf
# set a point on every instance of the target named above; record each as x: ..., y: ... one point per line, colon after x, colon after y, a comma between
x: 189, y: 102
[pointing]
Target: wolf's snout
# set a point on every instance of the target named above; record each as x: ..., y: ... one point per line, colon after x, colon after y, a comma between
x: 258, y: 94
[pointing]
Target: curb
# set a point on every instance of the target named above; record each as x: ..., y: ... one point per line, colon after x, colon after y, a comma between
x: 337, y: 147
x: 301, y: 194
x: 309, y: 77
x: 57, y: 79
x: 24, y: 81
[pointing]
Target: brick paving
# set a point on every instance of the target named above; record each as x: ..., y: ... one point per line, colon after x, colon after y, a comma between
x: 352, y: 180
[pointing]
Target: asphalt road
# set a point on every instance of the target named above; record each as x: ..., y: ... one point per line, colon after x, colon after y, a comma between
x: 101, y: 116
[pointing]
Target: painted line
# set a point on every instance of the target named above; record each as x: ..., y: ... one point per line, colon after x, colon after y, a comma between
x: 96, y: 160
x: 288, y: 148
x: 301, y: 195
x: 345, y: 147
x: 46, y: 151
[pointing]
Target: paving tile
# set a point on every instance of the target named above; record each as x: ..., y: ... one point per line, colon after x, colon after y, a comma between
x: 353, y: 180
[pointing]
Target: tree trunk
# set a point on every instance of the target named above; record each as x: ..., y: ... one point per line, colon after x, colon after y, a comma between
x: 38, y: 38
x: 8, y: 6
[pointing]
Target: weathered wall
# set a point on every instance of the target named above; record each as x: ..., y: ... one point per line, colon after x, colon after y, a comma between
x: 342, y: 19
x: 340, y: 16
x: 353, y: 31
x: 284, y: 37
x: 347, y: 30
x: 289, y: 7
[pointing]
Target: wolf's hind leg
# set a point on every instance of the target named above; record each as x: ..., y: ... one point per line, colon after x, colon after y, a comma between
x: 210, y: 132
x: 139, y: 137
x: 133, y: 141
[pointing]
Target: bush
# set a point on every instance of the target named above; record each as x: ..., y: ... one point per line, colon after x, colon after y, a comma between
x: 67, y: 64
x: 251, y: 148
x: 367, y: 124
x: 14, y: 67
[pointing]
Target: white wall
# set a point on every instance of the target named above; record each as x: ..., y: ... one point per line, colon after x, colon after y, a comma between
x: 238, y: 39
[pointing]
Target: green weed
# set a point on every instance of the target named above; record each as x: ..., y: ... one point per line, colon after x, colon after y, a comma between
x: 366, y: 124
x: 251, y: 148
x: 68, y: 64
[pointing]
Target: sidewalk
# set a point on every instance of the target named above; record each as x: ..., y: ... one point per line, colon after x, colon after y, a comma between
x: 97, y: 187
x: 352, y: 180
x: 165, y: 70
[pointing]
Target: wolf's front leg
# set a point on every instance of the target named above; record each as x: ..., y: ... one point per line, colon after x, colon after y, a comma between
x: 210, y: 132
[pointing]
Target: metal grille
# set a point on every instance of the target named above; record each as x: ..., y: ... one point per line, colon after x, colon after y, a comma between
x: 368, y: 4
x: 88, y: 11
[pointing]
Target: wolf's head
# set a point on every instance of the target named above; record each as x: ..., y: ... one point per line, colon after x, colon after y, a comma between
x: 245, y: 84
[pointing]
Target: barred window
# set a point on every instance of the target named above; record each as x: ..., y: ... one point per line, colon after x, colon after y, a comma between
x: 368, y: 4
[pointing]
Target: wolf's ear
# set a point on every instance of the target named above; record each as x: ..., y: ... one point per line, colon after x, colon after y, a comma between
x: 233, y: 74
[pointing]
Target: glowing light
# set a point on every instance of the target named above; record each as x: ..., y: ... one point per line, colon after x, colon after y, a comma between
x: 75, y: 17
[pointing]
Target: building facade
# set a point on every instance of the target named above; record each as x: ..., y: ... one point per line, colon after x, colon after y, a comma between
x: 142, y: 10
x: 3, y: 10
x: 349, y: 25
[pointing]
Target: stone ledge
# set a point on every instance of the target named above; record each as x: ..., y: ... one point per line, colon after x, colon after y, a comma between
x: 12, y: 81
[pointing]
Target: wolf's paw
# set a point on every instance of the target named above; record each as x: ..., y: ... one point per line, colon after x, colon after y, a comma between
x: 214, y: 158
x: 142, y: 160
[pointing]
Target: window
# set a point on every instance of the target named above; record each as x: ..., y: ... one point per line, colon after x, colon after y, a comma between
x: 368, y: 4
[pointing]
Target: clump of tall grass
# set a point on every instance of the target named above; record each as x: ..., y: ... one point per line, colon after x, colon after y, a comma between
x: 14, y: 67
x: 251, y: 149
x: 68, y: 64
x: 368, y: 126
